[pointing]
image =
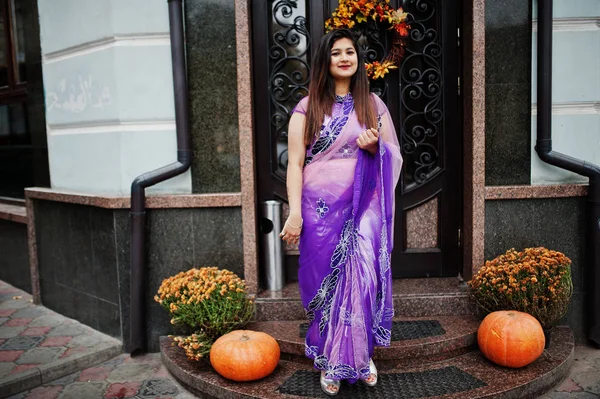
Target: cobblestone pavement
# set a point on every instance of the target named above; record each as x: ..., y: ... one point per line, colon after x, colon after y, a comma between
x: 146, y: 377
x: 141, y: 377
x: 583, y: 381
x: 36, y: 342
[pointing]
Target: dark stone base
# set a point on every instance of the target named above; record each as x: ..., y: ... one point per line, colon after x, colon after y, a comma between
x: 14, y: 261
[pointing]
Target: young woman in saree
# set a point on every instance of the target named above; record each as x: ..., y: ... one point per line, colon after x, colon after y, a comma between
x: 343, y: 165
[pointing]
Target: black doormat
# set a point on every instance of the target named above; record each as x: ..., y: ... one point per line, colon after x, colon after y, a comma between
x: 403, y: 330
x: 444, y: 381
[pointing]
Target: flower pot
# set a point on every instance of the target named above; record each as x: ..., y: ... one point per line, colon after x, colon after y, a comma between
x: 548, y: 336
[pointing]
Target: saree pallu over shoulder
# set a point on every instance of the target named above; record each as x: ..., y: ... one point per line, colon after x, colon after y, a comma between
x: 345, y: 246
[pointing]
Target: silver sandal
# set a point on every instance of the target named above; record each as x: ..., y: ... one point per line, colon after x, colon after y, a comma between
x: 325, y: 383
x: 372, y: 371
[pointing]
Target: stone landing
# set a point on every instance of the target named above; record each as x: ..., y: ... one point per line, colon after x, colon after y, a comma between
x: 440, y: 366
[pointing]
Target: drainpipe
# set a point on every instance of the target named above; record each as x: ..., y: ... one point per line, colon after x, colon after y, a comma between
x: 137, y: 312
x: 544, y: 149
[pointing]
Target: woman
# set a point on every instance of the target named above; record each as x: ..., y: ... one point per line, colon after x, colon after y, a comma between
x: 344, y: 163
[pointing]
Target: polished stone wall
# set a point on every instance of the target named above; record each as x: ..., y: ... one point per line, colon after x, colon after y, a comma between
x: 508, y: 92
x: 211, y: 61
x: 14, y: 261
x: 84, y: 266
x: 554, y: 223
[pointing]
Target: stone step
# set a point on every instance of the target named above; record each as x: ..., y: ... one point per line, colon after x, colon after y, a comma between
x: 415, y: 340
x: 467, y: 376
x: 412, y: 298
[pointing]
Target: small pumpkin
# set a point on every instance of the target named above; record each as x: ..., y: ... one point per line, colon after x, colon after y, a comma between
x: 511, y: 338
x: 245, y: 355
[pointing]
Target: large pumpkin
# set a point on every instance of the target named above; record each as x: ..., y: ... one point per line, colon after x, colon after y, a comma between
x: 510, y: 338
x: 244, y: 355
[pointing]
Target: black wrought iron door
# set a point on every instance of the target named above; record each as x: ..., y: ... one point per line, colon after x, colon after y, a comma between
x: 422, y: 96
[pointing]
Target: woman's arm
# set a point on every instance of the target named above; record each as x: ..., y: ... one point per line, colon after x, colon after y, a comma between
x: 296, y: 153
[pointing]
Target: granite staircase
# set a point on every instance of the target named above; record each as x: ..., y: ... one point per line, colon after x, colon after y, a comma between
x: 433, y: 353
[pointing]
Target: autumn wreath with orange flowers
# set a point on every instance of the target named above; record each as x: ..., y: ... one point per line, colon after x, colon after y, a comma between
x: 353, y: 14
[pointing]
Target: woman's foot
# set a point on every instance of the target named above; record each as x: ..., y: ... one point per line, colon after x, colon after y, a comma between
x: 371, y: 380
x: 330, y: 387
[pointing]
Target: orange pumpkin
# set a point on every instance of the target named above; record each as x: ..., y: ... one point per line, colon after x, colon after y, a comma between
x: 510, y: 338
x: 244, y: 355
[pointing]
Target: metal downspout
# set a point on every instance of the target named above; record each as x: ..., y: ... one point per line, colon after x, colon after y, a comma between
x: 137, y: 333
x: 544, y: 149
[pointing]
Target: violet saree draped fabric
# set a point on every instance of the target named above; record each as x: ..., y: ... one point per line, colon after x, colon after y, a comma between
x: 345, y: 245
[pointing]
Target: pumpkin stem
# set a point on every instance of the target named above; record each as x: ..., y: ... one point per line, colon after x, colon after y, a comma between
x: 244, y: 337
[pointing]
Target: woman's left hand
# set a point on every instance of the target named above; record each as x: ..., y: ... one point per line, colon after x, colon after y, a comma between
x: 368, y: 140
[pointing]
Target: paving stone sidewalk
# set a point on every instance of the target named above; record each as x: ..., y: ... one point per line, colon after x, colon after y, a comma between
x: 583, y: 381
x: 38, y: 345
x: 142, y: 377
x: 146, y: 377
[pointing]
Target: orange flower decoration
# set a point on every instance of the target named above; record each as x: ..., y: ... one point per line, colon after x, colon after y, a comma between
x: 353, y: 13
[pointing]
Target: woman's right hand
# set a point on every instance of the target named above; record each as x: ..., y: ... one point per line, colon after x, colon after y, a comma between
x: 291, y: 229
x: 368, y: 140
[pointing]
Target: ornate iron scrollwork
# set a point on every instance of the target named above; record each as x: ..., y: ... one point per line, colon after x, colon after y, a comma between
x: 421, y: 79
x: 373, y: 41
x: 289, y: 71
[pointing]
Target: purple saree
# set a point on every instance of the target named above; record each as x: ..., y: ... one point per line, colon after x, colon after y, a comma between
x: 345, y: 245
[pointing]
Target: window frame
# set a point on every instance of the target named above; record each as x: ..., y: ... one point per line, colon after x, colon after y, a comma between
x: 15, y: 91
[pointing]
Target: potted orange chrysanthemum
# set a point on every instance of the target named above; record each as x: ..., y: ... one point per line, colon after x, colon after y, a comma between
x: 209, y: 302
x: 536, y: 281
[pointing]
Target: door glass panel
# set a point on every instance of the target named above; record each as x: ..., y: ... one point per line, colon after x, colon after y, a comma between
x: 13, y: 125
x: 19, y: 37
x: 18, y: 123
x: 3, y: 54
x: 4, y: 126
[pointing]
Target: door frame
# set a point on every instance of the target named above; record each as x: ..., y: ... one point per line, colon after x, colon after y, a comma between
x: 473, y: 102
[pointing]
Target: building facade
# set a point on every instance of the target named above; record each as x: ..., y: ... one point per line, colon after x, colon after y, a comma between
x: 104, y: 115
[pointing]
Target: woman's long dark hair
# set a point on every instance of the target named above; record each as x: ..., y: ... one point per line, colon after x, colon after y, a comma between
x: 321, y: 90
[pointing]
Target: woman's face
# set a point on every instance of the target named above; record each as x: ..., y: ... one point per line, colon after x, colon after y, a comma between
x: 344, y: 59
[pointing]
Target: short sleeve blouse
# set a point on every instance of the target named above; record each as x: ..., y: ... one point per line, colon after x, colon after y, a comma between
x: 301, y: 107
